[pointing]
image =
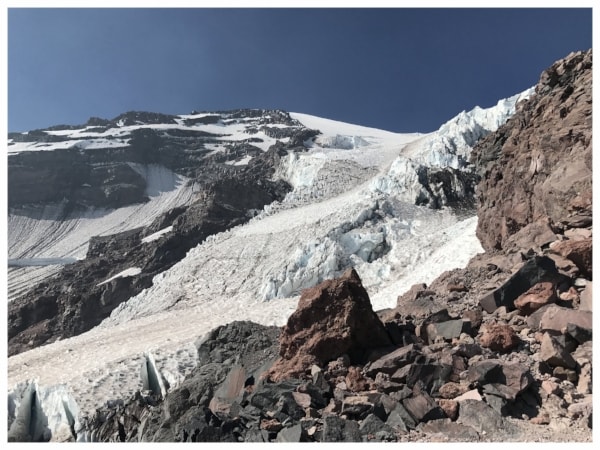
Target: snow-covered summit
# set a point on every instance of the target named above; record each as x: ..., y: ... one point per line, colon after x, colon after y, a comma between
x: 219, y: 129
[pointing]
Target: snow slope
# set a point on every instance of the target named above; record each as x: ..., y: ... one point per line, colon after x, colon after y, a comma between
x: 41, y: 239
x: 333, y: 219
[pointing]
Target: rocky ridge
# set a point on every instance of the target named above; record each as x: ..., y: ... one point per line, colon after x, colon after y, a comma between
x: 537, y: 168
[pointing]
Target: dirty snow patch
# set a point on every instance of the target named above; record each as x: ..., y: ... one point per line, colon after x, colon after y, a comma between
x: 131, y: 272
x: 158, y: 234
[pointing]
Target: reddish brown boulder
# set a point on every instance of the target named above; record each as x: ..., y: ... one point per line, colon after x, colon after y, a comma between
x: 355, y: 380
x: 578, y: 251
x: 450, y: 408
x: 537, y: 296
x: 332, y: 319
x: 499, y: 337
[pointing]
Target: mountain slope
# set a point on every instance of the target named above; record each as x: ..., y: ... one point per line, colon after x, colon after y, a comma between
x: 350, y: 202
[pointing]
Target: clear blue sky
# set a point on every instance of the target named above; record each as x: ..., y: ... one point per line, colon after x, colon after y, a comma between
x: 398, y: 69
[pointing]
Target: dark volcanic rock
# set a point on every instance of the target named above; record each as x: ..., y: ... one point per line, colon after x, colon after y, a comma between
x: 539, y: 164
x: 446, y: 330
x: 478, y: 415
x: 446, y: 187
x: 336, y: 429
x: 291, y: 434
x: 51, y: 177
x: 444, y: 430
x: 555, y: 354
x: 423, y: 408
x: 400, y: 419
x: 580, y: 334
x: 185, y: 415
x: 393, y: 361
x: 332, y: 319
x: 535, y: 270
x: 373, y: 424
x: 506, y: 380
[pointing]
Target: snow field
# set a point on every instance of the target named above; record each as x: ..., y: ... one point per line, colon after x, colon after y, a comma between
x: 48, y: 232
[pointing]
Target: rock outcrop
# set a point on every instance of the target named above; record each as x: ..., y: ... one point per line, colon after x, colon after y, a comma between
x: 50, y: 177
x: 538, y: 166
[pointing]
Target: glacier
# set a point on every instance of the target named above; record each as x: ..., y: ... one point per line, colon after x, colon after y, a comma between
x: 352, y: 204
x: 42, y: 238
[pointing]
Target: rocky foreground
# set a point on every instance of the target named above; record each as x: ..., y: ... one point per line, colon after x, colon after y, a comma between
x: 498, y: 351
x: 339, y: 372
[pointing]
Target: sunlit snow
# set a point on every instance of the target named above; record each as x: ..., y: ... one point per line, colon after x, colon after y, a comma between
x: 157, y: 235
x: 131, y: 272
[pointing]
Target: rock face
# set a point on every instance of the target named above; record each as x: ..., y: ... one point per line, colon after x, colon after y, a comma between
x: 446, y: 187
x: 538, y: 166
x: 47, y: 177
x: 332, y: 319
